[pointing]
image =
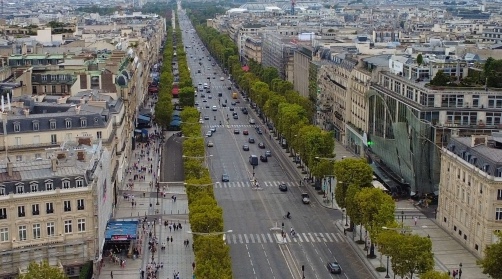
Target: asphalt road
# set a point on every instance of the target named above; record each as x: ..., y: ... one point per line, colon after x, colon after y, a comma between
x: 253, y: 214
x: 172, y: 162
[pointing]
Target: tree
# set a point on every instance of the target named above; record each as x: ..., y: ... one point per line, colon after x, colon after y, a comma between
x: 433, y: 274
x: 351, y: 171
x: 377, y: 211
x: 441, y: 79
x: 493, y: 256
x: 352, y: 208
x: 412, y: 254
x: 187, y: 97
x: 420, y: 59
x: 43, y: 270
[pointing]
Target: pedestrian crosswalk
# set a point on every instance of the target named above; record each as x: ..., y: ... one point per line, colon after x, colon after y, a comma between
x: 233, y: 126
x: 249, y: 184
x: 258, y: 238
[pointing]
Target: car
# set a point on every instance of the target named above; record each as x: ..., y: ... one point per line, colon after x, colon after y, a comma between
x: 237, y: 131
x: 214, y: 108
x: 251, y: 140
x: 283, y: 187
x: 209, y: 134
x: 209, y: 97
x: 245, y: 132
x: 203, y: 95
x: 208, y: 91
x: 213, y: 130
x: 261, y: 145
x: 334, y: 268
x: 229, y: 88
x: 245, y: 111
x: 268, y: 153
x: 233, y: 103
x: 245, y: 147
x: 201, y: 121
x: 214, y: 77
x: 210, y: 144
x: 222, y: 78
x: 224, y: 105
x: 236, y: 116
x: 259, y: 131
x: 207, y: 106
x: 220, y: 94
x: 204, y: 100
x: 196, y: 103
x: 225, y: 178
x: 263, y: 158
x: 251, y: 121
x: 305, y: 198
x: 231, y: 108
x: 206, y: 117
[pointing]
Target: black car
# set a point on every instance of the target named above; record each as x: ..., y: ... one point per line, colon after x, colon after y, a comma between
x: 261, y: 145
x: 334, y: 268
x: 283, y: 187
x: 251, y: 140
x: 229, y: 88
x: 225, y: 178
x: 245, y: 147
x: 263, y: 158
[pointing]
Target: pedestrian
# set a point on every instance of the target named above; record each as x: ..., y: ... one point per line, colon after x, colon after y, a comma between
x: 142, y: 274
x: 193, y: 265
x: 111, y: 274
x: 415, y: 219
x: 174, y: 198
x: 188, y: 242
x: 179, y: 226
x: 170, y: 227
x: 171, y: 239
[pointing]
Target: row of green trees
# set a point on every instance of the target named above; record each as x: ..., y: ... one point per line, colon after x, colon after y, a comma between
x: 374, y: 210
x: 186, y: 94
x: 290, y: 112
x: 164, y: 107
x: 212, y: 255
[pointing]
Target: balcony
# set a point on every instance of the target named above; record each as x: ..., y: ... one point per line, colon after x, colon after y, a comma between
x: 37, y: 242
x: 31, y: 146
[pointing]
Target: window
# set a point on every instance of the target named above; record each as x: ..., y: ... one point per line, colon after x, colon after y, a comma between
x: 83, y: 122
x: 49, y: 207
x: 44, y: 77
x: 19, y: 158
x: 498, y: 214
x: 19, y: 189
x: 20, y: 211
x: 36, y: 125
x: 34, y: 187
x: 35, y: 209
x: 493, y: 118
x: 52, y: 124
x: 499, y: 194
x: 4, y: 234
x: 494, y: 102
x: 36, y: 231
x: 54, y: 139
x: 63, y: 88
x: 22, y: 233
x: 17, y: 127
x: 67, y: 226
x: 67, y: 206
x: 49, y: 186
x: 53, y: 89
x: 67, y: 123
x: 80, y: 204
x: 99, y: 135
x: 2, y: 191
x: 81, y: 225
x: 80, y: 183
x: 66, y: 184
x: 38, y: 156
x: 51, y: 229
x: 18, y: 141
x: 3, y: 213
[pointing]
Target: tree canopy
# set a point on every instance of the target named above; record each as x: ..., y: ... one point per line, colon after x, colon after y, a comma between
x: 493, y: 257
x: 43, y: 270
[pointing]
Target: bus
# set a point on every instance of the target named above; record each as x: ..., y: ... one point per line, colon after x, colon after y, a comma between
x: 234, y: 95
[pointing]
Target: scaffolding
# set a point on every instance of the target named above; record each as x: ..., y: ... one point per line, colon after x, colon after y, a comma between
x: 277, y: 52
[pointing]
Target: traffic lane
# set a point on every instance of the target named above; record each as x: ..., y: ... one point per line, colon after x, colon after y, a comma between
x: 172, y: 164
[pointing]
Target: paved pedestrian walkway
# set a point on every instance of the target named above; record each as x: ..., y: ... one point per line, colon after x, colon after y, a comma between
x: 164, y: 246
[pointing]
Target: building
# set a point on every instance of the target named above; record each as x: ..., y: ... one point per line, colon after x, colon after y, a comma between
x: 278, y: 52
x: 470, y: 196
x: 55, y: 208
x: 301, y: 69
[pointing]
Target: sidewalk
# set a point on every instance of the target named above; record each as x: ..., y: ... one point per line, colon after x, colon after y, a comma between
x: 138, y: 199
x: 448, y: 253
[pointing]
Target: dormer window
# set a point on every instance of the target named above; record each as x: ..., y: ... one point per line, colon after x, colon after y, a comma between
x: 68, y: 123
x: 36, y: 125
x: 52, y: 124
x: 17, y: 127
x: 83, y: 122
x: 33, y: 187
x: 44, y: 77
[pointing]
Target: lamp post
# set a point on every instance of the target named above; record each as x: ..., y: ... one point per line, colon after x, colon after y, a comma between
x: 460, y: 271
x: 158, y: 186
x: 402, y: 219
x: 303, y: 271
x: 387, y: 276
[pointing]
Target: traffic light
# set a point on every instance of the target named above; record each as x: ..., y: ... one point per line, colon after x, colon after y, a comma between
x: 370, y: 143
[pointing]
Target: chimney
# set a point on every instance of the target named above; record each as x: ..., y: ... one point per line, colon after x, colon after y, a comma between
x: 81, y: 156
x: 26, y: 112
x: 54, y: 164
x: 77, y: 109
x: 10, y: 168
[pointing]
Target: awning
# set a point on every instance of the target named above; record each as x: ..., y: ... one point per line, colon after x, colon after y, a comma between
x: 121, y: 230
x: 144, y: 118
x: 175, y: 123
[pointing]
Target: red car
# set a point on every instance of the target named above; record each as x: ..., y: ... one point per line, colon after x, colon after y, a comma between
x: 245, y: 132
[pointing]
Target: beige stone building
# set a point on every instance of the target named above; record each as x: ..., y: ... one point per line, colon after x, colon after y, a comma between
x: 49, y: 208
x: 470, y: 193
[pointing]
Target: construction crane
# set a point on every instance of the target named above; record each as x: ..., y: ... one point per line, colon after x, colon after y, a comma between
x: 293, y: 3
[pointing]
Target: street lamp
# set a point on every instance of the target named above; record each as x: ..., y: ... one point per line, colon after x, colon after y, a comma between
x: 303, y: 271
x: 158, y: 186
x: 460, y: 271
x: 402, y: 218
x: 387, y: 276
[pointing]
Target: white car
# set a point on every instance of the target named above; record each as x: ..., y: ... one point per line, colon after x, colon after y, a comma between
x: 222, y: 78
x: 209, y: 134
x: 251, y: 121
x: 201, y: 121
x: 210, y: 144
x: 214, y: 108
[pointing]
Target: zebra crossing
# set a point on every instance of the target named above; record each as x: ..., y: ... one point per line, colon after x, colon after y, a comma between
x: 259, y: 238
x: 233, y: 126
x: 249, y: 184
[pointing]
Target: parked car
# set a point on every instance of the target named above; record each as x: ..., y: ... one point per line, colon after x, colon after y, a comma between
x: 210, y: 144
x: 263, y: 158
x: 305, y: 198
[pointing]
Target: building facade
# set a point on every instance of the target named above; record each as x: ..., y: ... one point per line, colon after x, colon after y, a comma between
x: 470, y: 196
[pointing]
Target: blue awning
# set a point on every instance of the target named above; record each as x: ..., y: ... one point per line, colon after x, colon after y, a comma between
x: 121, y: 230
x: 144, y: 118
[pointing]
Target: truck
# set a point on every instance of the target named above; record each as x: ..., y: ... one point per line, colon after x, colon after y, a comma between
x: 234, y: 95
